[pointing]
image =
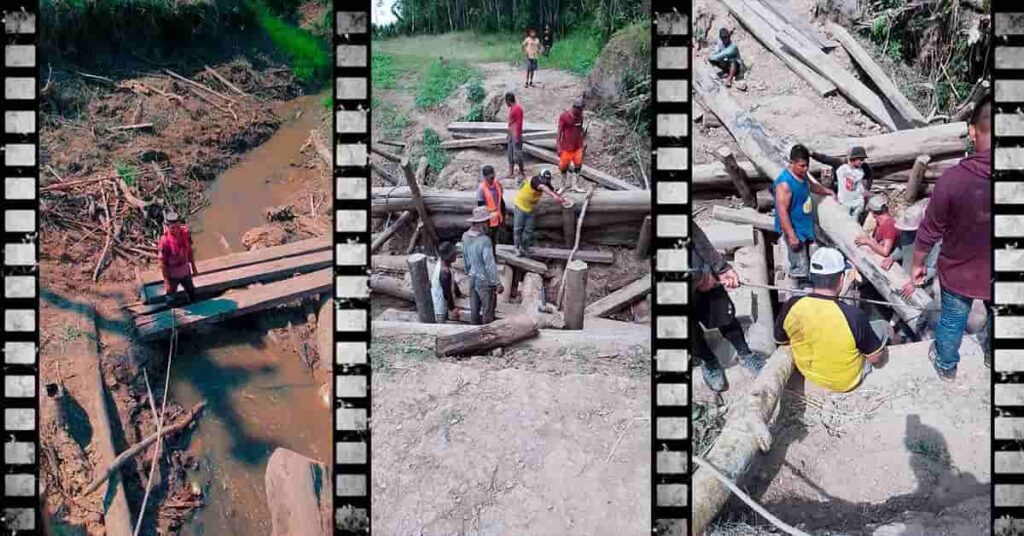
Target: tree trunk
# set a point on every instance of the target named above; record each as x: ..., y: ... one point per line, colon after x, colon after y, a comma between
x: 643, y: 245
x: 620, y: 298
x: 413, y: 182
x: 568, y: 226
x: 421, y: 287
x: 392, y: 286
x: 575, y: 294
x: 485, y: 338
x: 387, y: 200
x: 738, y: 177
x: 917, y: 178
x: 760, y: 221
x: 386, y: 235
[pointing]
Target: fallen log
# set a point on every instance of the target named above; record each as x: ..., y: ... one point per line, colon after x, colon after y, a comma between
x: 601, y: 257
x: 848, y: 84
x: 885, y: 85
x: 383, y: 237
x: 760, y: 221
x: 785, y: 12
x: 916, y: 179
x: 744, y: 435
x: 620, y: 298
x: 482, y: 339
x: 840, y: 229
x: 455, y: 223
x: 386, y: 199
x: 392, y: 286
x: 495, y: 140
x: 496, y: 127
x: 714, y: 176
x: 595, y: 175
x: 903, y: 147
x: 729, y: 236
x: 383, y: 173
x: 766, y: 35
x: 384, y: 153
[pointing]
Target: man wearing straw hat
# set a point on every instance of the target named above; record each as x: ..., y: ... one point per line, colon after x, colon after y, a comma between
x: 484, y: 284
x: 177, y: 260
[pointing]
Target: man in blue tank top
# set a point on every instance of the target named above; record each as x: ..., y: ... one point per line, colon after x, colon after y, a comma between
x: 794, y: 211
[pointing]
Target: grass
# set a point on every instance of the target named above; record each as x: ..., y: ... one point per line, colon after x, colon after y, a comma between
x: 308, y: 55
x: 385, y: 352
x: 576, y: 52
x: 327, y: 101
x: 382, y: 70
x: 437, y: 156
x: 442, y: 78
x: 388, y: 119
x: 127, y: 173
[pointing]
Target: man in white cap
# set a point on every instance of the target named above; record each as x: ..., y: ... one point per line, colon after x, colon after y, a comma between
x: 484, y: 284
x: 833, y: 343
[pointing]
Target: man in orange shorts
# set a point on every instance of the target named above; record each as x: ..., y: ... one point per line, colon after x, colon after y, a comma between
x: 571, y: 143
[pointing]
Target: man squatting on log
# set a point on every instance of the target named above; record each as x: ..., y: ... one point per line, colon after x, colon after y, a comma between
x: 960, y: 214
x: 484, y: 284
x: 714, y: 309
x: 794, y: 211
x: 833, y: 343
x: 726, y: 57
x: 526, y: 199
x: 177, y: 260
x: 443, y: 290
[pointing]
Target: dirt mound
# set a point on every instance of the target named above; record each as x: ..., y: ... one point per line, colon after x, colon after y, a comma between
x: 624, y: 64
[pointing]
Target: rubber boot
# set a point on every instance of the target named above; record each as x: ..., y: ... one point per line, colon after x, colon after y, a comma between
x: 751, y: 362
x: 714, y: 376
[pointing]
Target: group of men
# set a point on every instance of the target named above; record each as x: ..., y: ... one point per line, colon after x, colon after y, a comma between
x: 836, y: 344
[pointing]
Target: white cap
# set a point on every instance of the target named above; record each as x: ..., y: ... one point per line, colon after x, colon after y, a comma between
x: 827, y: 261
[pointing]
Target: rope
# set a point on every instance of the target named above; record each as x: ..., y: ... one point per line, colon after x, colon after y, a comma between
x: 746, y: 498
x: 159, y: 422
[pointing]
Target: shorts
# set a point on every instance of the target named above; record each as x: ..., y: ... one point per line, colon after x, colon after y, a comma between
x: 515, y: 152
x: 531, y: 64
x: 576, y: 157
x: 799, y: 260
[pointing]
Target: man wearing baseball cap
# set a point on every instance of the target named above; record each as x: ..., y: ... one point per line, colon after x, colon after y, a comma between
x: 526, y: 199
x: 833, y: 343
x: 484, y: 284
x: 885, y: 237
x: 571, y: 143
x: 177, y: 260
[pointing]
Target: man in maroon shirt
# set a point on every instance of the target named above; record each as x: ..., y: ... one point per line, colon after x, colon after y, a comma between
x: 960, y: 214
x: 515, y: 135
x: 570, y: 143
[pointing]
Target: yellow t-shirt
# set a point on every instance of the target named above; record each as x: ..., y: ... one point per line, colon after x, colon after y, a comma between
x: 529, y: 194
x: 829, y: 340
x: 532, y: 47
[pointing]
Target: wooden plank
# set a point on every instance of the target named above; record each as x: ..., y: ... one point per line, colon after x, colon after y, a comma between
x: 495, y: 140
x: 620, y: 298
x: 233, y: 304
x: 884, y: 84
x: 601, y: 257
x: 766, y: 35
x: 760, y: 221
x: 510, y: 258
x: 786, y: 13
x: 495, y: 126
x: 847, y: 83
x: 600, y: 177
x: 728, y: 236
x: 213, y: 283
x: 245, y: 258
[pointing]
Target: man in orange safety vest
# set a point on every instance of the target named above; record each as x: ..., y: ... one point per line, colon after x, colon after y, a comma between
x: 490, y: 194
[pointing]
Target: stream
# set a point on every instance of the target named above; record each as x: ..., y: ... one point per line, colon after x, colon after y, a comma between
x: 259, y: 394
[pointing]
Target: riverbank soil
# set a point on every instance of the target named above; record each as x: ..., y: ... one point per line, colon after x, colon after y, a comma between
x: 904, y: 451
x: 550, y: 436
x: 121, y: 143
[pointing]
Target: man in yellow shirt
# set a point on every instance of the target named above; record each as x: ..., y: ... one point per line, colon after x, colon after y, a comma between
x: 531, y: 46
x: 526, y: 198
x: 833, y: 343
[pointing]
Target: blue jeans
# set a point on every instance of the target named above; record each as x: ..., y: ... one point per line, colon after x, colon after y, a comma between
x: 949, y: 333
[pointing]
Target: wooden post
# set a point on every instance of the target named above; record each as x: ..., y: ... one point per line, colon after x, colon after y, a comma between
x: 738, y: 176
x: 917, y: 178
x: 413, y: 182
x: 568, y: 226
x: 765, y: 200
x: 752, y: 261
x: 643, y: 246
x: 575, y: 294
x: 421, y: 287
x: 485, y: 338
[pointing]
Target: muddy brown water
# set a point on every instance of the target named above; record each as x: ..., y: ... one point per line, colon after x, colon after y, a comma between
x: 260, y: 396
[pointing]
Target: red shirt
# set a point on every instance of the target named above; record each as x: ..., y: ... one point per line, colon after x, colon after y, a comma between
x: 571, y: 127
x: 515, y: 120
x: 887, y: 230
x: 175, y: 252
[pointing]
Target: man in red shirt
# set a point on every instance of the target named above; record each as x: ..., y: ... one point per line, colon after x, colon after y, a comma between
x: 883, y: 241
x: 571, y: 143
x: 515, y: 135
x: 960, y: 215
x: 177, y: 261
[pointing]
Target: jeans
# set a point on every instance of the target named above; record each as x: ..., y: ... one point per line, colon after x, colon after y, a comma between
x: 952, y: 326
x: 799, y: 262
x: 481, y: 303
x: 523, y: 228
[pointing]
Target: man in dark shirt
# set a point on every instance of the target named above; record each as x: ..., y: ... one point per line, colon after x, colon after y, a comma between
x: 714, y: 309
x: 484, y: 283
x: 960, y: 215
x: 442, y: 286
x: 547, y: 40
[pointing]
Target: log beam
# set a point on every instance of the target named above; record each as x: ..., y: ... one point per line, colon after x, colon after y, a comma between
x: 421, y: 287
x: 620, y: 298
x: 737, y: 176
x: 575, y: 294
x: 760, y: 221
x: 916, y: 179
x: 482, y: 339
x: 413, y: 182
x: 386, y: 235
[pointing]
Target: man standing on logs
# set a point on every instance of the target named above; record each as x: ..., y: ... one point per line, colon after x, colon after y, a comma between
x: 484, y: 284
x: 515, y: 135
x: 570, y: 144
x: 960, y: 215
x: 833, y: 343
x: 177, y: 260
x: 714, y: 309
x: 490, y: 194
x: 442, y: 286
x: 726, y: 57
x: 794, y: 211
x: 526, y: 199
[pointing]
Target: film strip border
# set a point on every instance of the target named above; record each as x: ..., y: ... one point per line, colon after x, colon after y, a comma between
x: 21, y: 273
x: 670, y: 227
x: 352, y: 295
x: 1008, y: 263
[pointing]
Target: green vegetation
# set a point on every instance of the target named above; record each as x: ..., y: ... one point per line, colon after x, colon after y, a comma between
x: 127, y: 173
x: 327, y: 101
x: 437, y: 157
x: 442, y: 78
x: 577, y: 52
x: 475, y: 91
x: 388, y: 119
x: 308, y: 55
x: 382, y: 70
x: 386, y: 351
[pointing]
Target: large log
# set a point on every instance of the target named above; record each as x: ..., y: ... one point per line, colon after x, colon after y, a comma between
x: 485, y: 338
x: 381, y: 239
x: 916, y: 179
x: 495, y: 140
x: 620, y: 298
x: 644, y: 241
x: 841, y: 230
x: 766, y: 35
x: 392, y: 286
x: 752, y: 262
x: 421, y: 287
x: 496, y: 127
x: 737, y: 176
x: 601, y: 257
x: 413, y: 182
x: 595, y: 175
x: 385, y: 200
x: 509, y: 257
x: 760, y: 221
x: 575, y: 294
x: 744, y: 435
x: 884, y: 84
x: 848, y: 84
